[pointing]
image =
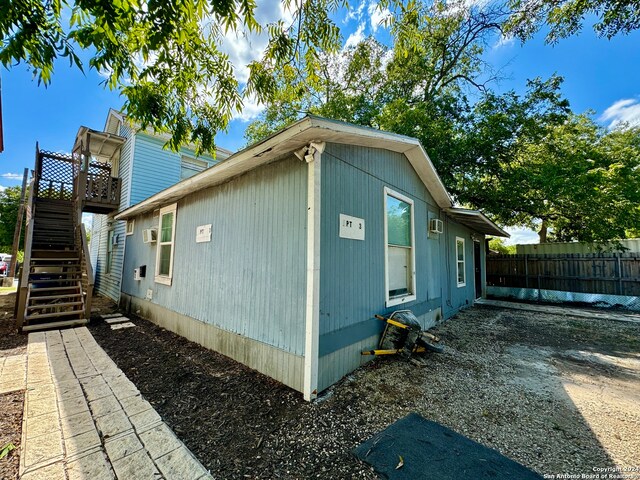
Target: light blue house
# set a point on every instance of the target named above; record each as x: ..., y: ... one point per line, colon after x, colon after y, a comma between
x: 144, y: 168
x: 280, y: 256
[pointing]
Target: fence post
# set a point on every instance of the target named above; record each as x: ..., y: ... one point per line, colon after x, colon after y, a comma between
x: 619, y: 263
x: 526, y: 271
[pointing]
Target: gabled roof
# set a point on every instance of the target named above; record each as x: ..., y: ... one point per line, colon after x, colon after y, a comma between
x: 300, y: 134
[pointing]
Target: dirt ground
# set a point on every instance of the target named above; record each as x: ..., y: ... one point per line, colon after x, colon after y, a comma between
x: 557, y: 394
x: 11, y: 404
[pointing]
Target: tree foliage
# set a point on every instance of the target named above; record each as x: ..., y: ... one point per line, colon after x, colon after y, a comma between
x: 566, y: 17
x: 165, y: 56
x: 523, y: 158
x: 9, y: 206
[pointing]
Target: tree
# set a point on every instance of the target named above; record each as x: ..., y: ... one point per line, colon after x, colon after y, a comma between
x: 498, y: 245
x: 9, y: 206
x: 165, y: 56
x: 566, y: 17
x: 579, y: 182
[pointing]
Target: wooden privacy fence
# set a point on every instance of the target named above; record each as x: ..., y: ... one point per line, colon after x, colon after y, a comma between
x: 604, y: 273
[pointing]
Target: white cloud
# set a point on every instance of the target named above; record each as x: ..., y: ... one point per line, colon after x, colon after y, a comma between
x: 2, y: 189
x: 377, y: 15
x: 505, y: 41
x: 356, y: 37
x: 244, y: 47
x: 521, y: 236
x: 625, y: 111
x: 250, y: 110
x: 12, y: 176
x: 355, y: 14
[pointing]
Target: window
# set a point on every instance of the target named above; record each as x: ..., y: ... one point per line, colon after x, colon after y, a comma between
x: 399, y: 242
x: 110, y: 245
x: 166, y: 237
x: 460, y: 261
x: 130, y: 226
x: 190, y: 166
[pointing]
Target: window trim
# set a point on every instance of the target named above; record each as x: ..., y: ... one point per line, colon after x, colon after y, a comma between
x: 464, y: 263
x: 130, y: 231
x: 409, y: 297
x: 166, y: 279
x: 111, y: 233
x: 188, y: 162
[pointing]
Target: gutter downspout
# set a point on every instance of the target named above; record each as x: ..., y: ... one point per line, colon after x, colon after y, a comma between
x: 312, y: 315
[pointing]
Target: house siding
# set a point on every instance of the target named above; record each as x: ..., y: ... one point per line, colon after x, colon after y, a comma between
x: 352, y: 274
x: 250, y: 280
x: 155, y: 168
x: 145, y: 169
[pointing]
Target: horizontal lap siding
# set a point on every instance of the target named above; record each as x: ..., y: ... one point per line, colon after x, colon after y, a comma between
x: 155, y: 168
x: 352, y: 275
x: 108, y: 284
x: 250, y: 279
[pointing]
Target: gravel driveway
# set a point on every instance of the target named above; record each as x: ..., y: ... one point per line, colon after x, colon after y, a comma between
x: 557, y: 394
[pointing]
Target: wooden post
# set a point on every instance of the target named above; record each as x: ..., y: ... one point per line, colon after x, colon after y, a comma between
x: 526, y: 271
x: 619, y: 263
x: 18, y: 229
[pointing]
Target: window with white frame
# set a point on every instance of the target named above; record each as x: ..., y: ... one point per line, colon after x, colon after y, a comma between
x: 190, y: 166
x: 110, y: 245
x: 166, y: 239
x: 399, y: 248
x: 130, y: 226
x: 460, y: 262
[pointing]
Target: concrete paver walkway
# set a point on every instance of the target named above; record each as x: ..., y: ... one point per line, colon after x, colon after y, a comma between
x: 564, y: 310
x: 84, y: 419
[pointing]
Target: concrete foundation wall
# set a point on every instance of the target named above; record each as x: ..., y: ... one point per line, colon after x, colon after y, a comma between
x: 282, y: 366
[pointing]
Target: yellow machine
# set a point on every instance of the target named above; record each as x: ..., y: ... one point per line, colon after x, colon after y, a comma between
x: 403, y: 335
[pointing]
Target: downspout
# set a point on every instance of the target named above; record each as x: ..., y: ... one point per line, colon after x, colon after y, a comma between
x: 312, y: 156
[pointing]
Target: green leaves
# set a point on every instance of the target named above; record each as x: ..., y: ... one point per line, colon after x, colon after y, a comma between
x: 565, y: 17
x: 164, y: 55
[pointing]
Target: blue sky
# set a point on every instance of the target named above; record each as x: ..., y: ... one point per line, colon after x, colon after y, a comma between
x: 600, y: 75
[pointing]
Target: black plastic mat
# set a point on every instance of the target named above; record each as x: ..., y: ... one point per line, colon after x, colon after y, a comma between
x: 431, y: 451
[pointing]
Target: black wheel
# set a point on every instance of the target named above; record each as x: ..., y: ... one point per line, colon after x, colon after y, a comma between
x: 434, y: 347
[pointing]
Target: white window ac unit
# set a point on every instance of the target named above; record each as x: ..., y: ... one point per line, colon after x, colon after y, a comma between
x: 136, y: 274
x: 150, y: 235
x: 436, y: 225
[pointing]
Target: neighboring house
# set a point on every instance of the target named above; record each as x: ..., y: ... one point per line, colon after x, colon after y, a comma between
x: 280, y: 256
x: 145, y: 168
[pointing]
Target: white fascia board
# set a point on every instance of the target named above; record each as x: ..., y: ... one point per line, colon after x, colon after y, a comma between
x: 301, y: 133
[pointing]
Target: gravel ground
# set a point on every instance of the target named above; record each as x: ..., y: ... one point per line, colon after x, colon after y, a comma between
x: 555, y: 393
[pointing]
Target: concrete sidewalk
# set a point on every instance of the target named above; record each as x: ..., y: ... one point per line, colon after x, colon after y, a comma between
x: 563, y: 310
x: 84, y: 419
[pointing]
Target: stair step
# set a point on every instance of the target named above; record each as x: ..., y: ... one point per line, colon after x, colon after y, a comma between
x: 70, y: 268
x: 55, y: 259
x: 77, y: 322
x: 54, y: 305
x: 54, y: 297
x: 51, y: 289
x: 52, y: 280
x: 42, y: 316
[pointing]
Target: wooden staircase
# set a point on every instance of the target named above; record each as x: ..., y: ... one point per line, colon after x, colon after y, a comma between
x: 56, y: 284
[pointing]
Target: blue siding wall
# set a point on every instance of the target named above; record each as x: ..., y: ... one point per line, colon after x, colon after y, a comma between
x: 251, y: 278
x: 145, y: 169
x: 456, y: 298
x: 108, y: 284
x: 155, y: 168
x: 352, y: 274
